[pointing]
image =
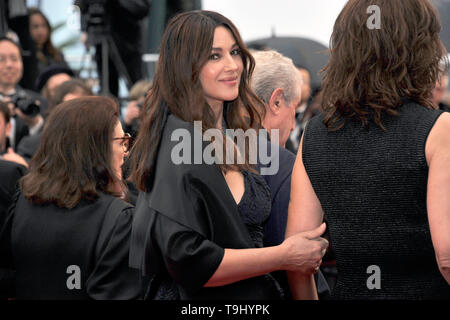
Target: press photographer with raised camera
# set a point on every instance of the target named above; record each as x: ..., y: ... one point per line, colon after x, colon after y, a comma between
x: 26, y: 106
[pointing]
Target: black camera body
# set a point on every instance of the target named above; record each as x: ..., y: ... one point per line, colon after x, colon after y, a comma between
x: 28, y: 105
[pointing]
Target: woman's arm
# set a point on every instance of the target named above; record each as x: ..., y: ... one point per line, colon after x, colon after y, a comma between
x: 299, y: 252
x: 305, y: 213
x: 437, y: 151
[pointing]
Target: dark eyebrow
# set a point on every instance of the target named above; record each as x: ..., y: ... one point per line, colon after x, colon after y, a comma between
x: 220, y: 49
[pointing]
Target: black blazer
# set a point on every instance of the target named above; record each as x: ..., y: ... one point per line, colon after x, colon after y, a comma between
x: 79, y: 253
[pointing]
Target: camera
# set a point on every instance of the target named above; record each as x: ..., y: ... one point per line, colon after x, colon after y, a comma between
x: 28, y: 105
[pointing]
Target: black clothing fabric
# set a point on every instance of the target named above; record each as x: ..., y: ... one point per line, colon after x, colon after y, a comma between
x: 204, y: 219
x: 372, y: 186
x: 10, y: 173
x: 255, y: 209
x: 28, y: 146
x: 44, y: 244
x: 21, y: 131
x: 444, y: 107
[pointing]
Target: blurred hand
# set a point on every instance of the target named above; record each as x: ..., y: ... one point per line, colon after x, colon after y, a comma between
x: 304, y: 250
x: 132, y: 112
x: 14, y: 157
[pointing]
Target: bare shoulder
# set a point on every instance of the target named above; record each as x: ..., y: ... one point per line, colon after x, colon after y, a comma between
x: 438, y: 142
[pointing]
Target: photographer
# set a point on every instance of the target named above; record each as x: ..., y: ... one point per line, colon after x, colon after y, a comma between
x: 25, y: 106
x: 121, y: 19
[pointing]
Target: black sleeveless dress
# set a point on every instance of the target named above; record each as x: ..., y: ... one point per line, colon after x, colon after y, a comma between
x: 372, y: 186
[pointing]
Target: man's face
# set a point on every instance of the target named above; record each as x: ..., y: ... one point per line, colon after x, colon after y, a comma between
x: 11, y: 66
x: 5, y: 129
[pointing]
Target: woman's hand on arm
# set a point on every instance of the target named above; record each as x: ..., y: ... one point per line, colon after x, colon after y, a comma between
x: 301, y: 252
x: 437, y: 152
x: 305, y: 213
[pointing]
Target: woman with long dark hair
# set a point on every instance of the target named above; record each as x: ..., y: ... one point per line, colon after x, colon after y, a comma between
x: 375, y: 163
x: 67, y: 235
x: 198, y: 226
x: 41, y: 33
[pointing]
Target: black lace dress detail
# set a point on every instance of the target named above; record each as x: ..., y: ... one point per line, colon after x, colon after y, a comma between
x: 254, y: 209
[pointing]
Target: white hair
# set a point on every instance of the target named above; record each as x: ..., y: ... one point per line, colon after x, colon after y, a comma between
x: 272, y: 71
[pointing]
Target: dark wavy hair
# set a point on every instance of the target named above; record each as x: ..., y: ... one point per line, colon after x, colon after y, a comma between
x: 48, y: 46
x: 372, y: 71
x: 185, y: 48
x: 73, y: 161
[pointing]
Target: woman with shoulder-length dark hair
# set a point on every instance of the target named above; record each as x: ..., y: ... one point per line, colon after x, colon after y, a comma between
x: 67, y: 236
x: 375, y: 163
x: 198, y: 225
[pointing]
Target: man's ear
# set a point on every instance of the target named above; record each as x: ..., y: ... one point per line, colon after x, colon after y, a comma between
x: 276, y: 100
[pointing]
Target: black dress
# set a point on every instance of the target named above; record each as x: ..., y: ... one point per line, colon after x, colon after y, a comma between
x: 79, y: 253
x: 372, y: 185
x: 182, y: 227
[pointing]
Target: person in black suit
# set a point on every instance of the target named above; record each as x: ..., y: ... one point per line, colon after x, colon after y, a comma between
x: 70, y: 236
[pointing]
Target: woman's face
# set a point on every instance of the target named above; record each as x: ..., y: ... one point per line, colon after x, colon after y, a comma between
x: 38, y: 29
x: 221, y: 75
x: 119, y: 149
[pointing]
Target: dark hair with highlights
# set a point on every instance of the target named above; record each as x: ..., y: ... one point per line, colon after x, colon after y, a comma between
x: 73, y: 161
x: 372, y: 71
x: 185, y: 48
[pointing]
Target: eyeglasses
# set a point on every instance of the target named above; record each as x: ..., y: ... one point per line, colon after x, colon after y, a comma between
x: 125, y: 142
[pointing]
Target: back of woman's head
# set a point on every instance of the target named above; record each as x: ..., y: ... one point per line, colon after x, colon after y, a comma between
x: 382, y: 51
x: 185, y: 48
x: 73, y: 161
